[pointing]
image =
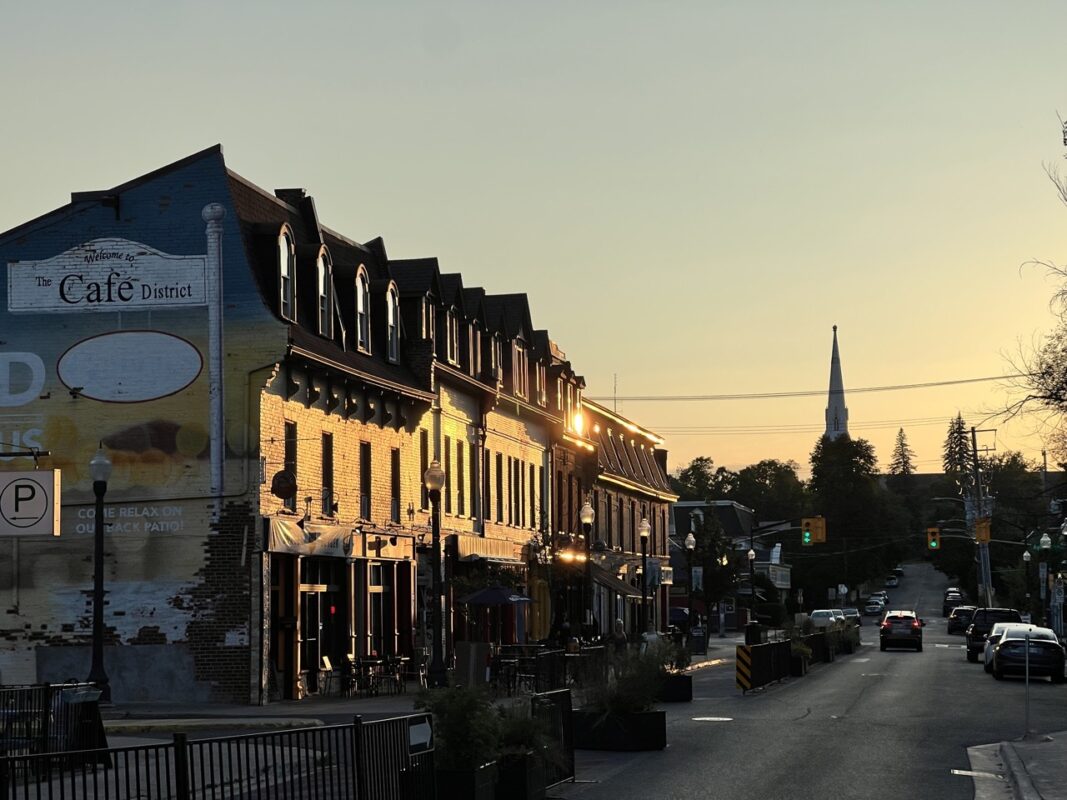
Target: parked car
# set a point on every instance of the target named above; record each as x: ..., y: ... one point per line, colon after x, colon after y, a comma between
x: 951, y: 601
x: 1046, y: 656
x: 839, y: 615
x: 991, y: 641
x: 874, y: 607
x: 852, y: 615
x: 982, y: 623
x: 892, y: 581
x: 959, y: 618
x: 822, y: 618
x: 898, y: 570
x: 901, y: 629
x: 883, y: 594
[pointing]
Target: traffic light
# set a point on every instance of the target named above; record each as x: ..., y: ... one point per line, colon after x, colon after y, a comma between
x: 819, y: 530
x: 982, y: 529
x: 933, y: 538
x: 807, y: 536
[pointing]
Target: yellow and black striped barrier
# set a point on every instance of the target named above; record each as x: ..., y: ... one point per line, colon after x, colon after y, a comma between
x: 760, y: 664
x: 744, y: 667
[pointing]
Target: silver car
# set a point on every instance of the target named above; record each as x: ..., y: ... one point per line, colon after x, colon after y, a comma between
x: 993, y: 638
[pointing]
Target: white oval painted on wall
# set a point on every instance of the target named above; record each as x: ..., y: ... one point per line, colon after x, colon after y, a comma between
x: 129, y: 366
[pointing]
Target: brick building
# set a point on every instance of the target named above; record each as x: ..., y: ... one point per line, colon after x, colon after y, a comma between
x: 270, y: 393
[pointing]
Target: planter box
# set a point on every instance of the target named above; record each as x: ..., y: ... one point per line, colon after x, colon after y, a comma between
x: 474, y: 784
x: 645, y: 730
x: 676, y: 689
x: 521, y: 778
x: 798, y: 665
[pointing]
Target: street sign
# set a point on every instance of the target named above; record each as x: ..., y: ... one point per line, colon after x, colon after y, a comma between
x: 29, y: 503
x: 1057, y: 593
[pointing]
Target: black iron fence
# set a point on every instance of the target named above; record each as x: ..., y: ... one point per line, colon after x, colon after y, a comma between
x: 554, y: 710
x: 388, y: 759
x: 47, y: 718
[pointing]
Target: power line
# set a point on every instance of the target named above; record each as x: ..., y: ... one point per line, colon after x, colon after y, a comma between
x: 654, y: 398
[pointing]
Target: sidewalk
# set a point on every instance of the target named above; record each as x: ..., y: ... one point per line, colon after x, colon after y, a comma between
x: 1037, y: 768
x: 132, y: 719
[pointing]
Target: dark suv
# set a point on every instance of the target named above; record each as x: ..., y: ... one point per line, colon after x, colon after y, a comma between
x: 959, y: 618
x: 982, y: 623
x: 901, y: 629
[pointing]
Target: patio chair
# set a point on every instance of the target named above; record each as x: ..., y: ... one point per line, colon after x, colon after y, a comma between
x: 415, y: 668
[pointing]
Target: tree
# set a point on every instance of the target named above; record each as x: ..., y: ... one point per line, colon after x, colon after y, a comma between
x: 956, y: 457
x: 702, y: 480
x: 902, y: 462
x: 772, y: 488
x: 867, y: 525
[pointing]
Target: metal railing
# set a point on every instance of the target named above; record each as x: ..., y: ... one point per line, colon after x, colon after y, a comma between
x: 47, y: 718
x: 388, y: 759
x: 554, y: 710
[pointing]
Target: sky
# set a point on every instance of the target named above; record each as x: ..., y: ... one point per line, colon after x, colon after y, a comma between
x: 691, y: 194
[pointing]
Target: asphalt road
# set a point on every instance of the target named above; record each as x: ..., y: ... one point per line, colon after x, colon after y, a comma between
x: 869, y: 725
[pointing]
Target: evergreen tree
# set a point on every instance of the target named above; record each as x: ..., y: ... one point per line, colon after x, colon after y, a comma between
x: 902, y: 462
x: 957, y: 452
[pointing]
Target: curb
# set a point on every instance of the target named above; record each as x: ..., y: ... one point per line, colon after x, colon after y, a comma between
x: 1017, y: 775
x: 121, y: 727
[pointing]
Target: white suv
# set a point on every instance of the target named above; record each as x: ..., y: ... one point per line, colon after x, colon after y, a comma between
x: 822, y: 618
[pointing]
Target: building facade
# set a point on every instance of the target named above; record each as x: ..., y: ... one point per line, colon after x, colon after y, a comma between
x: 270, y: 393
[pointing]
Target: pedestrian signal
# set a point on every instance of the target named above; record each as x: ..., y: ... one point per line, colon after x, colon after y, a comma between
x: 933, y: 538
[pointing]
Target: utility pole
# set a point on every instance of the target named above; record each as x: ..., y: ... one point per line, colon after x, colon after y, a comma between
x: 983, y: 547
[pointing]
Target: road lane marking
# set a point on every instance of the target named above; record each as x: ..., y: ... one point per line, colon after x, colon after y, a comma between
x: 970, y: 773
x: 713, y: 719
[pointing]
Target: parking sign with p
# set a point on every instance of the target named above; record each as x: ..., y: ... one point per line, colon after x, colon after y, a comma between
x: 29, y: 503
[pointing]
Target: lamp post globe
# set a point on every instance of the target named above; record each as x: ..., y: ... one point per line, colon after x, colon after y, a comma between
x: 100, y: 472
x: 752, y: 585
x: 434, y: 480
x: 1045, y: 543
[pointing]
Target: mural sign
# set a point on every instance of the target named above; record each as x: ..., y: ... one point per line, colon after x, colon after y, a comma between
x: 106, y: 275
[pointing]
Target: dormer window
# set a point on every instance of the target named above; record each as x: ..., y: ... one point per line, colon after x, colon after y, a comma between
x: 498, y: 359
x: 474, y: 342
x: 520, y: 371
x: 363, y: 311
x: 429, y: 322
x: 542, y: 396
x: 392, y: 314
x: 452, y: 330
x: 286, y: 275
x: 559, y: 394
x: 324, y: 271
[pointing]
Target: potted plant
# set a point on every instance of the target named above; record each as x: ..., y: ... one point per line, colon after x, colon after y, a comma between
x: 526, y: 751
x: 675, y: 685
x: 618, y: 714
x: 466, y: 741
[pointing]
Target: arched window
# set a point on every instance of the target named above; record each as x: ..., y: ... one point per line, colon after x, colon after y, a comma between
x: 363, y: 311
x: 324, y: 271
x: 393, y: 322
x: 286, y: 275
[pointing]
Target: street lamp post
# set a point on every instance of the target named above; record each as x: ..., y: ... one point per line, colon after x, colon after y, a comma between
x: 1026, y: 577
x: 690, y: 546
x: 100, y: 471
x: 434, y: 479
x: 643, y: 529
x: 586, y: 514
x: 1045, y: 543
x: 751, y: 585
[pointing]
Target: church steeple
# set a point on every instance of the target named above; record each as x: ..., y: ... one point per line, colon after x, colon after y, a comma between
x: 836, y: 411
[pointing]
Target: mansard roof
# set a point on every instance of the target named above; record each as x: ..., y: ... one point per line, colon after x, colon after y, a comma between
x: 261, y: 216
x: 627, y: 453
x: 510, y: 314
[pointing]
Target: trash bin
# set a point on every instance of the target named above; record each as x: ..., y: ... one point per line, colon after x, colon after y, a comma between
x: 78, y: 725
x: 753, y: 633
x: 698, y: 641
